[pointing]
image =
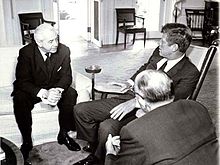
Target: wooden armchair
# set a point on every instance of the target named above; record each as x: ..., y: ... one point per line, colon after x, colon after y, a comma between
x: 201, y: 57
x: 28, y: 23
x: 195, y: 21
x: 126, y: 23
x: 206, y: 63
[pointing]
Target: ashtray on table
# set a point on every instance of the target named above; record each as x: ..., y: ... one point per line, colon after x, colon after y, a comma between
x: 93, y: 69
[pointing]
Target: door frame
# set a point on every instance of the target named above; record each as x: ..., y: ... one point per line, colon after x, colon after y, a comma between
x: 93, y: 19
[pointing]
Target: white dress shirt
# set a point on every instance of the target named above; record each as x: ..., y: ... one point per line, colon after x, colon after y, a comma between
x: 170, y: 64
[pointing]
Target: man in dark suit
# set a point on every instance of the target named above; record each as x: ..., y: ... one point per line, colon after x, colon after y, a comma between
x: 109, y: 115
x: 165, y: 132
x: 43, y: 73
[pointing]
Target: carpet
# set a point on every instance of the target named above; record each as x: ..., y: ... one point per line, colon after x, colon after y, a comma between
x: 53, y: 153
x: 119, y: 66
x: 116, y: 66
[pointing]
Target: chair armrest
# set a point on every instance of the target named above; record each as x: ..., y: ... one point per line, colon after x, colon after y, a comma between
x: 51, y: 22
x: 141, y: 18
x: 83, y: 86
x: 25, y: 25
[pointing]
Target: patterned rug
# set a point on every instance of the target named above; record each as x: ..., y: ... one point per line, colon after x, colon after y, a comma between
x: 116, y: 66
x: 54, y: 154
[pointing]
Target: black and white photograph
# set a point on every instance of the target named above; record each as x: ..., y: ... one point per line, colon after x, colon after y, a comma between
x: 109, y: 82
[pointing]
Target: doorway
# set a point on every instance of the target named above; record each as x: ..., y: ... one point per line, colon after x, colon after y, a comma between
x: 153, y: 12
x: 68, y: 16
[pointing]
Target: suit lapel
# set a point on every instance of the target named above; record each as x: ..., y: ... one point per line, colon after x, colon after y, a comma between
x: 56, y: 60
x: 174, y: 70
x: 153, y: 63
x: 39, y: 60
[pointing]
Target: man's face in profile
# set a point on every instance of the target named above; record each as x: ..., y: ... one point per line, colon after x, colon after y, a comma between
x: 165, y: 48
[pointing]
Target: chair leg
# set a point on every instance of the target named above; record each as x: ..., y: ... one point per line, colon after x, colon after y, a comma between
x: 104, y: 95
x: 23, y: 41
x: 125, y: 40
x: 134, y: 38
x: 144, y: 38
x: 117, y: 37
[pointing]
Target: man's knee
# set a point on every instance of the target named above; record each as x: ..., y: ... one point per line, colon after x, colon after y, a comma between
x: 80, y: 110
x: 68, y: 97
x: 109, y: 126
x: 72, y: 92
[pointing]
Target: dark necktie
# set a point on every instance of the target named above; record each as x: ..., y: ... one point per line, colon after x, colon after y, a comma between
x: 163, y: 66
x: 48, y: 64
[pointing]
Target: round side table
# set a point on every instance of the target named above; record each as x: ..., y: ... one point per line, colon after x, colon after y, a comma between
x: 93, y: 69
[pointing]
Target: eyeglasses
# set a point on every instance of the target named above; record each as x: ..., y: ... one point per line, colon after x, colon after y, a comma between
x: 135, y: 93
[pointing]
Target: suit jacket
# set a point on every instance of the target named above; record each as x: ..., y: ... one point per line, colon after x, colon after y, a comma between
x: 31, y: 74
x: 180, y: 133
x: 184, y: 74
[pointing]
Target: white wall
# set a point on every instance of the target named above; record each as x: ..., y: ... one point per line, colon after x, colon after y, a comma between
x: 84, y: 18
x: 2, y: 26
x: 9, y: 16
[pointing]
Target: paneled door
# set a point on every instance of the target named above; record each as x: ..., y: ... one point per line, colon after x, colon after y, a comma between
x: 95, y: 22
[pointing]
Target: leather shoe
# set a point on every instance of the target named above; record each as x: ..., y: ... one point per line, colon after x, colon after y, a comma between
x: 27, y: 163
x: 89, y: 148
x: 63, y: 138
x: 25, y: 149
x: 90, y: 160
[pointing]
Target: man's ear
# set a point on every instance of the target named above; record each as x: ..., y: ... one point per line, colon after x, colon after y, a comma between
x: 175, y: 47
x: 39, y: 43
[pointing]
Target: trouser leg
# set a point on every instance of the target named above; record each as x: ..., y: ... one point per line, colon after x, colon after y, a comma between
x: 23, y: 104
x: 66, y: 105
x: 110, y: 126
x: 88, y: 115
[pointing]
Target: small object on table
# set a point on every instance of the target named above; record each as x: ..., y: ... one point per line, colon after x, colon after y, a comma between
x: 93, y: 69
x: 110, y: 88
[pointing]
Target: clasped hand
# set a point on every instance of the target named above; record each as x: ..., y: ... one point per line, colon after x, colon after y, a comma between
x: 112, y: 145
x: 52, y: 96
x: 122, y: 109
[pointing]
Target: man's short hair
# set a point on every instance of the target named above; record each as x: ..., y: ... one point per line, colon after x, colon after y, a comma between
x: 178, y: 34
x: 154, y: 85
x: 42, y: 30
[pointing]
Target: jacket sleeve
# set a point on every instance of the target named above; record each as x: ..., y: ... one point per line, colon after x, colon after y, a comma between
x: 23, y: 74
x: 131, y: 152
x: 151, y: 64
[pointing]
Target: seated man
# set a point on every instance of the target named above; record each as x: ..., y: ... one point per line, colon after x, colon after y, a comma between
x: 109, y: 115
x: 43, y: 73
x: 165, y: 132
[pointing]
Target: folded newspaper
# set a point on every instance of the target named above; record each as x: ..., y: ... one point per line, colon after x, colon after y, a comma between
x: 111, y: 87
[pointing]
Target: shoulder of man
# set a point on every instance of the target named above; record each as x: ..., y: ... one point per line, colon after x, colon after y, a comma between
x: 155, y: 57
x: 163, y: 111
x: 28, y: 49
x: 189, y: 65
x: 63, y: 49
